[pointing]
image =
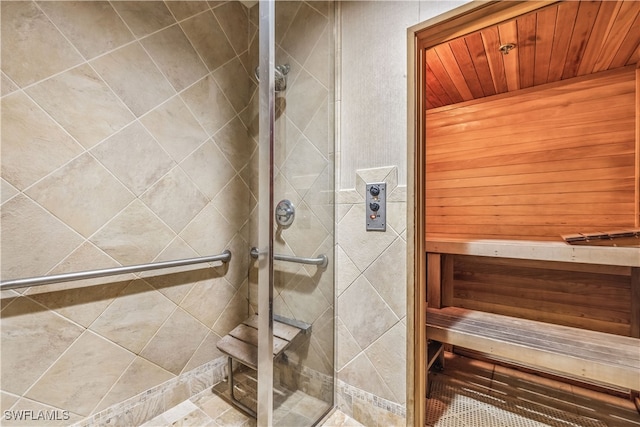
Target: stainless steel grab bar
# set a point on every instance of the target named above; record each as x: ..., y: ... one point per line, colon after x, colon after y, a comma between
x: 321, y: 261
x: 91, y: 274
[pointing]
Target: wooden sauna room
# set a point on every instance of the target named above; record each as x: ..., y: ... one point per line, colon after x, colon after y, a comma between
x: 528, y: 182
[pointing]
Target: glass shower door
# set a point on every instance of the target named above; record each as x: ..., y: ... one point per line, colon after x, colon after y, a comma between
x: 296, y: 227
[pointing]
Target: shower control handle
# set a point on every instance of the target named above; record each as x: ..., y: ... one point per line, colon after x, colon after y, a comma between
x: 376, y: 206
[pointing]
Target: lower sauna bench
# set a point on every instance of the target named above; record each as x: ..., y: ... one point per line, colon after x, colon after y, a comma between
x: 241, y: 345
x: 590, y: 356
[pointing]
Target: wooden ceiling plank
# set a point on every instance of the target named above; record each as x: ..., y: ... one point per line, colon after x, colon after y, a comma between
x: 432, y: 99
x: 450, y: 63
x: 630, y: 45
x: 526, y: 48
x: 601, y: 28
x: 545, y: 29
x: 587, y: 14
x: 481, y: 62
x: 508, y: 33
x: 461, y: 53
x: 439, y: 72
x: 491, y: 41
x: 567, y: 12
x: 434, y: 86
x: 621, y: 27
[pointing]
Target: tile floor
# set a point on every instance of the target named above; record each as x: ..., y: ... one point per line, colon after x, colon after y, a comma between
x: 210, y: 408
x: 470, y: 393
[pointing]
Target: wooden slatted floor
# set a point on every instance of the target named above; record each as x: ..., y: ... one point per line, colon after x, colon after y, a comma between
x: 473, y: 393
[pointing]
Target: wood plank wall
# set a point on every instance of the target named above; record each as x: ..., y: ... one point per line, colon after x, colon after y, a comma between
x: 588, y: 296
x: 535, y: 164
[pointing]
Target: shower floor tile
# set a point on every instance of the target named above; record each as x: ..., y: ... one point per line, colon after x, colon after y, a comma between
x: 211, y: 408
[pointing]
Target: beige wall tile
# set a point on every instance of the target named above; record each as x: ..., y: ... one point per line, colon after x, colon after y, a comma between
x: 317, y: 63
x: 92, y: 27
x: 304, y: 32
x: 388, y: 356
x: 234, y: 19
x: 133, y: 76
x: 144, y: 17
x: 78, y: 97
x: 208, y: 168
x: 364, y: 313
x: 33, y: 145
x: 83, y: 194
x: 285, y: 13
x: 235, y: 202
x: 175, y: 199
x: 175, y: 128
x: 122, y: 154
x: 236, y: 84
x: 32, y: 233
x: 72, y: 381
x: 175, y: 283
x: 286, y: 136
x: 319, y: 130
x: 209, y: 40
x: 362, y: 374
x: 7, y: 86
x: 32, y: 339
x: 171, y: 348
x: 236, y: 272
x: 38, y: 49
x: 388, y: 276
x: 208, y: 103
x: 141, y: 375
x: 234, y: 313
x: 347, y: 271
x: 207, y: 300
x: 185, y: 9
x: 209, y: 233
x: 303, y: 166
x: 79, y: 304
x: 59, y: 417
x: 172, y: 52
x: 134, y: 236
x: 7, y: 400
x: 362, y: 247
x: 346, y: 346
x: 134, y: 318
x: 305, y: 300
x: 206, y: 352
x: 235, y: 143
x: 307, y: 232
x: 304, y: 98
x: 7, y: 191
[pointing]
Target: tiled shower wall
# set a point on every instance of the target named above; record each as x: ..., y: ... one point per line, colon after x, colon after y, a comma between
x: 371, y: 271
x: 124, y: 140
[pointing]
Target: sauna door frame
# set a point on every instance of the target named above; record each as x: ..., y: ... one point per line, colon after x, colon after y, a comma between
x: 456, y: 23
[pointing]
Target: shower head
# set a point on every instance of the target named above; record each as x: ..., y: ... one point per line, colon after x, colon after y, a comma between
x: 281, y: 72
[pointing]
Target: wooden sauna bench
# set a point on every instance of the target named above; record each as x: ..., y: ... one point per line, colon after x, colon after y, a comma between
x: 471, y: 305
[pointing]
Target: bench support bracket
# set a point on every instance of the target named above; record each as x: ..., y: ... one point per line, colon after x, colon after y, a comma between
x: 235, y: 402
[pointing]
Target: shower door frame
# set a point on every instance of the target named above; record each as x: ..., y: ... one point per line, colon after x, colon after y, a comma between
x: 266, y: 143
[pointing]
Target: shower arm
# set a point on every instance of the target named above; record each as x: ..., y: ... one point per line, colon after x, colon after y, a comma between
x: 321, y: 260
x: 91, y: 274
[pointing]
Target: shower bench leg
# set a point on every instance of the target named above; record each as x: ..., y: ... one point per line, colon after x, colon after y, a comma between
x: 235, y: 402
